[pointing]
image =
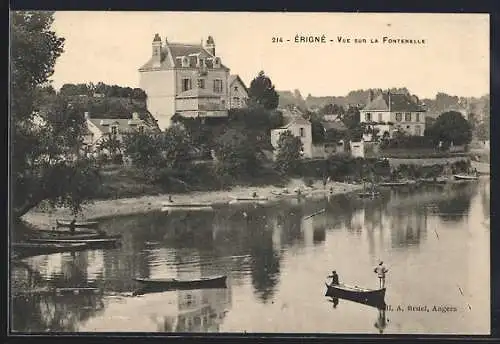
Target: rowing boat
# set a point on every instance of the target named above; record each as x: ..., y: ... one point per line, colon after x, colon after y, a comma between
x: 465, y: 177
x: 68, y: 235
x: 67, y: 223
x: 368, y: 194
x: 172, y: 283
x: 170, y: 206
x: 248, y: 200
x: 105, y: 240
x: 355, y: 293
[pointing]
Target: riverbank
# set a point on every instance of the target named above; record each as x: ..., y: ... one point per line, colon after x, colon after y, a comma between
x: 142, y: 204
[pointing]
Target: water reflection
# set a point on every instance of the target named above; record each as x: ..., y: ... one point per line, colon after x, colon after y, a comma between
x: 382, y: 320
x: 259, y: 249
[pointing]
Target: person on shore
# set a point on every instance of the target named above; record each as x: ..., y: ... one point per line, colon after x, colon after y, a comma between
x: 381, y: 270
x: 335, y: 278
x: 254, y: 195
x: 170, y: 199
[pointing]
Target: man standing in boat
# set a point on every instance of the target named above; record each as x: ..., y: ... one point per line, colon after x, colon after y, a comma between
x: 381, y: 270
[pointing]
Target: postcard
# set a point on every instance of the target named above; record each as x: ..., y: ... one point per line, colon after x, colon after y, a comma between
x: 244, y: 172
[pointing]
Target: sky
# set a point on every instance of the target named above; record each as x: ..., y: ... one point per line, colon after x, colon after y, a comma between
x: 455, y: 59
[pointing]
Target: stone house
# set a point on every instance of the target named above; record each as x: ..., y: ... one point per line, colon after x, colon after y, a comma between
x: 390, y: 112
x: 299, y: 127
x: 188, y: 79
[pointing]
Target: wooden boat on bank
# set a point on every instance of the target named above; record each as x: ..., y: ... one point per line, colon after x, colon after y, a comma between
x: 368, y: 194
x: 249, y: 200
x: 356, y: 293
x: 171, y: 206
x: 172, y: 283
x: 26, y: 249
x: 86, y: 224
x: 64, y: 231
x: 467, y: 177
x: 68, y: 235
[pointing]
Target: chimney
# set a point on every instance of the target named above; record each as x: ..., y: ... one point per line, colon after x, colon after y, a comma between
x: 135, y: 116
x: 210, y: 45
x: 156, y: 45
x: 371, y: 96
x: 86, y: 115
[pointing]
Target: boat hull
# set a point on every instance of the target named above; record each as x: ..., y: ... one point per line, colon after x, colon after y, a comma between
x: 84, y: 224
x: 172, y: 284
x: 375, y: 296
x: 186, y: 207
x: 97, y: 241
x: 464, y: 177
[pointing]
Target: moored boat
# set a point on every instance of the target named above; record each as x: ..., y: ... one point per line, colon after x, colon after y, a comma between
x: 355, y: 293
x: 67, y: 223
x: 64, y: 231
x: 105, y: 240
x: 68, y: 235
x: 173, y: 283
x: 171, y: 206
x: 465, y: 177
x: 248, y: 200
x: 395, y: 184
x: 368, y: 194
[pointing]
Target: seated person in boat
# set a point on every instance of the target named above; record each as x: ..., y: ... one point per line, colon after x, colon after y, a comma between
x: 335, y: 278
x: 72, y: 226
x: 254, y: 195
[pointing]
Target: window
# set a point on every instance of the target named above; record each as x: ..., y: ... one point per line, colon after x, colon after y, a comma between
x: 201, y: 83
x: 380, y: 117
x: 302, y: 132
x: 114, y: 130
x: 218, y: 86
x: 236, y: 101
x: 186, y: 84
x: 236, y: 88
x: 417, y: 117
x: 399, y: 116
x: 408, y: 116
x: 368, y: 117
x: 418, y: 130
x: 141, y: 129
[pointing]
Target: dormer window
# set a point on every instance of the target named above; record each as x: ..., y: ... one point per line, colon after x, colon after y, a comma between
x: 185, y: 61
x: 216, y: 62
x: 114, y: 130
x: 201, y: 62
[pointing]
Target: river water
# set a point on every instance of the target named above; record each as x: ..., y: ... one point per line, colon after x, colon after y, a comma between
x: 434, y: 240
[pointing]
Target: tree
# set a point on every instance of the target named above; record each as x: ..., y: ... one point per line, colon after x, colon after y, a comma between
x: 483, y: 131
x: 111, y: 144
x: 144, y: 149
x: 235, y: 156
x: 46, y: 163
x: 289, y: 153
x: 450, y: 127
x: 262, y: 92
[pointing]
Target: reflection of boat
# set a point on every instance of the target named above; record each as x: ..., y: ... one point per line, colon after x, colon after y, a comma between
x: 67, y: 223
x: 394, y: 184
x: 354, y: 293
x: 368, y: 194
x: 64, y: 231
x: 35, y: 249
x: 170, y: 206
x: 173, y: 283
x: 465, y: 177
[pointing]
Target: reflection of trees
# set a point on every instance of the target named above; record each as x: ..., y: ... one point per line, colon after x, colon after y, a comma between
x: 454, y: 209
x: 265, y: 263
x: 37, y: 310
x: 407, y: 226
x: 40, y: 313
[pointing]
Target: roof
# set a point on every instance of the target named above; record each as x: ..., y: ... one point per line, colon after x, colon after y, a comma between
x: 174, y: 52
x: 198, y: 93
x: 393, y: 102
x: 234, y: 77
x: 124, y: 124
x: 288, y: 121
x: 333, y: 125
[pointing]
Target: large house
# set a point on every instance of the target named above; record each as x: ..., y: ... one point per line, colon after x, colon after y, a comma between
x: 390, y: 112
x: 188, y: 79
